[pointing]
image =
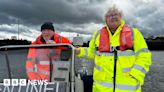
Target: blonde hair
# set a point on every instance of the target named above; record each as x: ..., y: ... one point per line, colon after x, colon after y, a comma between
x: 114, y: 9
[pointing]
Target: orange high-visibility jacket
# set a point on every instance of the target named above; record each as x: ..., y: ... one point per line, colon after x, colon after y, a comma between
x: 38, y: 60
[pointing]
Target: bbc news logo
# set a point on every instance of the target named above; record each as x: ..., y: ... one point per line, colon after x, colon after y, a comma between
x: 24, y: 85
x: 23, y: 82
x: 14, y: 82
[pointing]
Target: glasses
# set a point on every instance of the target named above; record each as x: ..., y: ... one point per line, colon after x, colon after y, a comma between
x: 113, y: 15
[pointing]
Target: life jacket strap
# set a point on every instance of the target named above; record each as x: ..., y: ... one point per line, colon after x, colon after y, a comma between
x: 116, y: 48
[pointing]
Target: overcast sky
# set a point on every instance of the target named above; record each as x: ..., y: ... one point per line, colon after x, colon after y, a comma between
x: 76, y: 16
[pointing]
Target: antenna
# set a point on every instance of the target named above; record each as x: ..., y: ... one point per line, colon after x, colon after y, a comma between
x: 18, y: 28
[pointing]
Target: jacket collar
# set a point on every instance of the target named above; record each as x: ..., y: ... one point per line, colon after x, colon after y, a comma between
x: 118, y: 29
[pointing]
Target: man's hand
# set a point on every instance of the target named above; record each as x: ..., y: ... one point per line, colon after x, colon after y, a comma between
x: 77, y: 51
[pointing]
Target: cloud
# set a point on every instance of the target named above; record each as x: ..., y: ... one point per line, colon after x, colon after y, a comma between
x: 147, y: 15
x: 37, y: 11
x: 77, y: 16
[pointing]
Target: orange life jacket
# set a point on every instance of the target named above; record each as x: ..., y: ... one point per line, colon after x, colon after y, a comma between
x: 126, y: 39
x: 38, y: 60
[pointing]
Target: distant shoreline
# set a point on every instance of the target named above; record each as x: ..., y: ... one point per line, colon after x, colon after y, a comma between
x: 152, y: 44
x: 155, y: 45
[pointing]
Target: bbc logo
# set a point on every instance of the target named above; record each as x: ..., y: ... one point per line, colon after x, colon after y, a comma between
x: 14, y: 82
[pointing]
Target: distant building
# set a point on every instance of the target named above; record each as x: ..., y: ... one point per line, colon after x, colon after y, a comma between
x: 13, y: 37
x: 14, y: 41
x: 77, y: 41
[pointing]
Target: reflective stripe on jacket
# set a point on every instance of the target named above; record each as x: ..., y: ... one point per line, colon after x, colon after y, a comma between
x: 38, y: 60
x: 132, y: 65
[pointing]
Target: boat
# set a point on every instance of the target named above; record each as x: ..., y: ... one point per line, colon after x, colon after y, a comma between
x: 13, y: 77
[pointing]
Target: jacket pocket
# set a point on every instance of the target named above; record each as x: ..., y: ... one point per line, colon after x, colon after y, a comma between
x: 99, y: 75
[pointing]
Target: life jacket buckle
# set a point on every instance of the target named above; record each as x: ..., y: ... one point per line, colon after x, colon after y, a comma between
x: 114, y: 49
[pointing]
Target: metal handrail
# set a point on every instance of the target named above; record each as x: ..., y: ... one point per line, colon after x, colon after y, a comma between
x: 72, y: 80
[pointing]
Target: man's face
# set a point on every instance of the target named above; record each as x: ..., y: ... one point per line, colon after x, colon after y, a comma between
x: 113, y: 20
x: 47, y: 34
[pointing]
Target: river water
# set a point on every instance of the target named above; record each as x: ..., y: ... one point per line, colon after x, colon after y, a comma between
x: 154, y: 81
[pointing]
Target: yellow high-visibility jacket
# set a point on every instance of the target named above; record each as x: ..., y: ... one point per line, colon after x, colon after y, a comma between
x: 132, y: 65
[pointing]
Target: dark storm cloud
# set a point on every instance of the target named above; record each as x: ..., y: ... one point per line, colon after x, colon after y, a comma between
x: 151, y: 18
x: 80, y: 16
x: 147, y: 15
x: 37, y: 11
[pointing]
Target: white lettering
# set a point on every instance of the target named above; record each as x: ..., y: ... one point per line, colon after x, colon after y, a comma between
x: 14, y: 82
x: 46, y: 88
x: 33, y: 86
x: 8, y: 89
x: 32, y: 82
x: 27, y: 88
x: 38, y: 82
x: 6, y: 82
x: 22, y: 82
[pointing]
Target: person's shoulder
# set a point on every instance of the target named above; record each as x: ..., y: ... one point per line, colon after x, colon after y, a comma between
x: 56, y: 35
x: 38, y: 40
x: 98, y: 30
x: 136, y: 30
x: 132, y: 28
x: 61, y: 39
x: 137, y: 33
x: 33, y: 43
x: 65, y: 39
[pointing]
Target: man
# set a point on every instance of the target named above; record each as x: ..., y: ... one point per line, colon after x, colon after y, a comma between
x: 121, y: 56
x: 38, y: 65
